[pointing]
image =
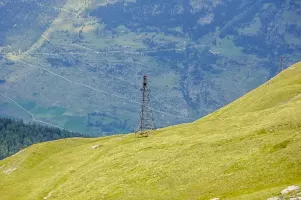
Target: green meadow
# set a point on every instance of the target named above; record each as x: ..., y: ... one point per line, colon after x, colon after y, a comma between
x: 250, y: 149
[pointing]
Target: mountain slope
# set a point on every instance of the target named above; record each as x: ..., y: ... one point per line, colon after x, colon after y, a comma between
x: 249, y: 149
x: 199, y: 55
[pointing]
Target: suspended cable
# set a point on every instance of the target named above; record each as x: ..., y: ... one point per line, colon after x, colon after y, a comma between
x: 31, y: 114
x: 97, y: 90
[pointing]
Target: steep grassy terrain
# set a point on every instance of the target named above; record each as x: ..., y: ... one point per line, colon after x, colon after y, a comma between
x: 249, y: 149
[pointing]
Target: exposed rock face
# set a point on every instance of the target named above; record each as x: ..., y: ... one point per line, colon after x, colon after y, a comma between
x: 274, y: 198
x: 95, y: 146
x: 290, y: 189
x: 48, y: 196
x: 9, y: 171
x: 291, y: 193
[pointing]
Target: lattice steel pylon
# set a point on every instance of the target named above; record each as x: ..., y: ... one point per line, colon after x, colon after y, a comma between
x: 281, y: 64
x: 146, y: 121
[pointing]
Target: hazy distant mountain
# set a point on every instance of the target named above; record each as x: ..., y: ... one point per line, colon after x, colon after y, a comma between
x: 78, y: 64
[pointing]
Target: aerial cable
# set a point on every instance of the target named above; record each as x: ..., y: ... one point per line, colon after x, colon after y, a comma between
x: 98, y: 90
x: 31, y: 114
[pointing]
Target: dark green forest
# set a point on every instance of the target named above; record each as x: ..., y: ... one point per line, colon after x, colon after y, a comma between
x: 16, y: 135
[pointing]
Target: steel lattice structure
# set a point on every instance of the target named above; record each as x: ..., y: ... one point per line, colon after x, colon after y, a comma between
x: 281, y: 63
x: 146, y: 121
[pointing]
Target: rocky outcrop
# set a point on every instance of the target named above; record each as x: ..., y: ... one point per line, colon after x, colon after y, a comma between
x: 290, y: 189
x: 289, y: 193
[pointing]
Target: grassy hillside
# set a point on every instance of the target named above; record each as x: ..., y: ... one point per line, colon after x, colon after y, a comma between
x: 249, y: 149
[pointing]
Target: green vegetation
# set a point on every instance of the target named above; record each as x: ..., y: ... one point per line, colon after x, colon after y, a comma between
x: 15, y: 135
x: 249, y: 149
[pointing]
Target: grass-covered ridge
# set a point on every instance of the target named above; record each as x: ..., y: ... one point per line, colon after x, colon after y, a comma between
x: 249, y: 149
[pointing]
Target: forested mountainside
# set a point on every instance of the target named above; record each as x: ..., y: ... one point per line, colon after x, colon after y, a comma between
x: 79, y: 64
x: 15, y: 135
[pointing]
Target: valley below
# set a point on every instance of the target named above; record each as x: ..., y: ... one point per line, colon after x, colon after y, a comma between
x: 78, y: 65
